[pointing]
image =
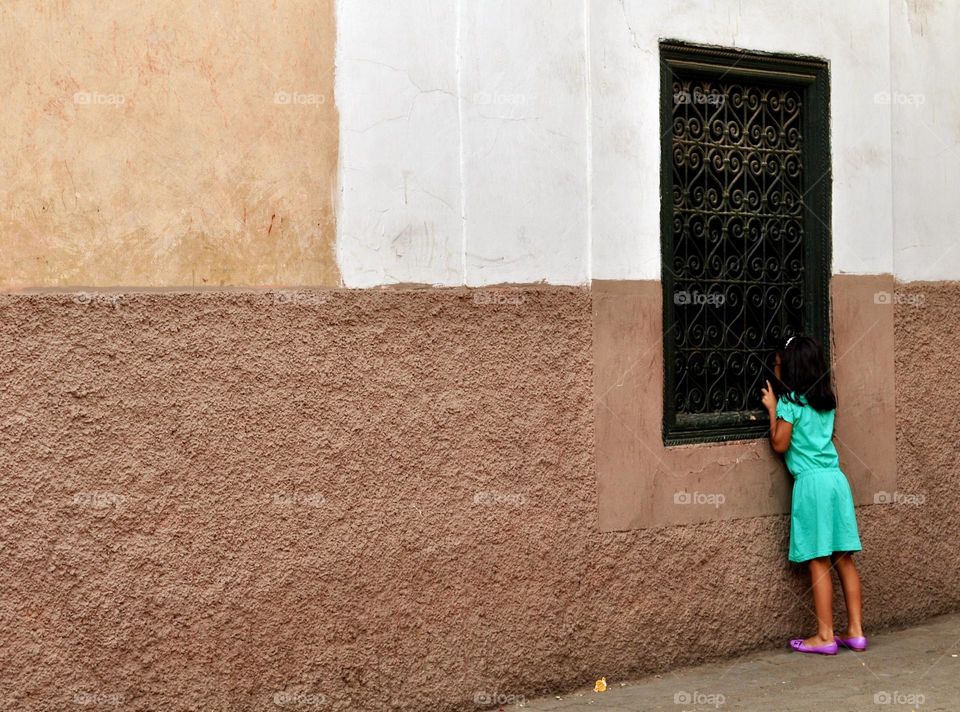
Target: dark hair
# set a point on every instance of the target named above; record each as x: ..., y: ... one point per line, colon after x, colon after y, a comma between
x: 803, y: 371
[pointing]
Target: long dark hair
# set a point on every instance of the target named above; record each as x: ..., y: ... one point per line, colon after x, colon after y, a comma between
x: 803, y: 371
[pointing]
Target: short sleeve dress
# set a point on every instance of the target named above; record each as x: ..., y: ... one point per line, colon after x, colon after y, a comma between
x: 822, y: 517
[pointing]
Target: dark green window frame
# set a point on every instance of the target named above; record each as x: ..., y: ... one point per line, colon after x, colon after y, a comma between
x: 810, y: 78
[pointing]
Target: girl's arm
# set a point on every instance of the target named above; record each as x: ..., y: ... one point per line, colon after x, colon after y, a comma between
x: 780, y: 430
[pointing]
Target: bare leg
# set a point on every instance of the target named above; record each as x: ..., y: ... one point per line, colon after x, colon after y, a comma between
x: 822, y: 585
x: 850, y: 581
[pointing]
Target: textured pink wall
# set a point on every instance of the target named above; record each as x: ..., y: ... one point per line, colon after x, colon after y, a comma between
x: 639, y: 479
x: 387, y: 498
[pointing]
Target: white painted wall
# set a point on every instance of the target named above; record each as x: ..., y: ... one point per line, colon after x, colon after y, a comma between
x: 925, y: 101
x: 400, y: 214
x: 523, y: 69
x: 626, y: 150
x: 490, y: 141
x: 463, y: 142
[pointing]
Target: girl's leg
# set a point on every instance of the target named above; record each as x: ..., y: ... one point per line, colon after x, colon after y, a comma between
x: 822, y: 585
x: 850, y: 581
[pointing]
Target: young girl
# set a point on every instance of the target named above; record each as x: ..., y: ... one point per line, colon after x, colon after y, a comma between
x: 823, y: 526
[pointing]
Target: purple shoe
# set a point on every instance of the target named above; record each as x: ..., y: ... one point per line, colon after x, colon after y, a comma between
x: 828, y: 649
x: 858, y: 643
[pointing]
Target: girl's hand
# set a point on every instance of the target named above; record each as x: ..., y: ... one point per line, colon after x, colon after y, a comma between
x: 769, y: 397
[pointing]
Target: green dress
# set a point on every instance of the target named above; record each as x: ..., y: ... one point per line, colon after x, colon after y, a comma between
x: 822, y: 519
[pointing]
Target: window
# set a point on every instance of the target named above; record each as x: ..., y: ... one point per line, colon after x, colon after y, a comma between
x: 745, y: 216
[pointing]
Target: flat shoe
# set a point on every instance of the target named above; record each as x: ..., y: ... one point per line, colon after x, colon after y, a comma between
x: 828, y: 649
x: 858, y: 643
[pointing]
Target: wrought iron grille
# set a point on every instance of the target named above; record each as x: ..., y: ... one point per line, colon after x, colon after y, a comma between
x: 742, y: 255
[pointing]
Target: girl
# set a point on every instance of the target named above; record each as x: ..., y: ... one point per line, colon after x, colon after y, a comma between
x: 823, y: 526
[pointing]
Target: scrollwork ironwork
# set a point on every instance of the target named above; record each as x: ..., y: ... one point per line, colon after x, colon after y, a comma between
x: 737, y: 253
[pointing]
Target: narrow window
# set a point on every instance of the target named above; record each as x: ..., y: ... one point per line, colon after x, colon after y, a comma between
x: 745, y: 229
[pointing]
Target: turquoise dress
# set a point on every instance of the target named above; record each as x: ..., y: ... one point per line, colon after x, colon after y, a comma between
x: 822, y: 519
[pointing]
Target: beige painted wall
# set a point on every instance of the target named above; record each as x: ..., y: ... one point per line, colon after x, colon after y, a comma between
x: 162, y: 143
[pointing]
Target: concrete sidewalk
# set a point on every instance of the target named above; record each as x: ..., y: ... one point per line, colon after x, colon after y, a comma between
x: 913, y: 669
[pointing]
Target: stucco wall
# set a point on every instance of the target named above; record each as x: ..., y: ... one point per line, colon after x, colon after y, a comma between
x: 389, y: 499
x: 464, y: 154
x: 386, y: 498
x: 486, y: 143
x: 626, y: 126
x: 925, y: 102
x: 144, y: 145
x: 643, y: 483
x: 161, y: 143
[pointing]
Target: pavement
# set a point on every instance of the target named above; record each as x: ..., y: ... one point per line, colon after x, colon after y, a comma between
x: 916, y: 668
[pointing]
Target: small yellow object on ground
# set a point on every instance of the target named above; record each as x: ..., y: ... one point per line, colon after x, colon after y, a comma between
x: 600, y: 685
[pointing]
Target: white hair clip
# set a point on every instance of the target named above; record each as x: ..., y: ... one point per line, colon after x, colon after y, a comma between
x: 787, y: 345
